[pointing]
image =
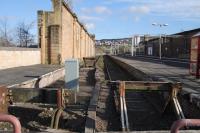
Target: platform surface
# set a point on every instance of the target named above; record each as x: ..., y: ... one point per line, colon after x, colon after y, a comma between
x: 18, y: 75
x: 164, y: 72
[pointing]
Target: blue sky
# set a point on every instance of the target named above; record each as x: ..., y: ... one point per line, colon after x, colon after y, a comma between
x: 115, y: 18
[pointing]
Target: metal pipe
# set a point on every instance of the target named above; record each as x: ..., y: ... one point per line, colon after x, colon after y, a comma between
x: 126, y: 114
x: 57, y: 118
x: 184, y: 123
x: 177, y: 111
x: 59, y: 98
x: 180, y: 109
x: 122, y: 113
x: 160, y: 47
x: 13, y: 120
x: 122, y: 106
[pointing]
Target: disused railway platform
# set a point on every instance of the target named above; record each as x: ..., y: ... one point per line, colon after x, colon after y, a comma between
x: 98, y: 107
x: 17, y: 76
x: 139, y: 101
x: 161, y: 72
x: 42, y: 112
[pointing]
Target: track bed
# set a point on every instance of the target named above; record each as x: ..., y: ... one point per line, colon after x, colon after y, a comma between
x: 144, y: 112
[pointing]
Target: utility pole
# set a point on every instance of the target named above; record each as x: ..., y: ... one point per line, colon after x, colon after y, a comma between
x: 160, y: 37
x: 115, y: 49
x: 132, y: 44
x: 111, y: 49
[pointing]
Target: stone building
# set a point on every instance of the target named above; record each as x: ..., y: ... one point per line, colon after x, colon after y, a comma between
x: 62, y: 36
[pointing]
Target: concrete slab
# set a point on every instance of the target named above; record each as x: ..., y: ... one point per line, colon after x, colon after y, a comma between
x: 17, y: 75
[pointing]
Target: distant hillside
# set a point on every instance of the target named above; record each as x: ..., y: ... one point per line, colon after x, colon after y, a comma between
x: 114, y: 41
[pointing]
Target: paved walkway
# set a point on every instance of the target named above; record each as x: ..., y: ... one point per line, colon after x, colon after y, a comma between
x: 18, y: 75
x: 166, y: 73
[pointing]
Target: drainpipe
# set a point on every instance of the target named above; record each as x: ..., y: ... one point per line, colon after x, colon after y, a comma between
x: 184, y: 123
x: 59, y: 98
x: 13, y: 120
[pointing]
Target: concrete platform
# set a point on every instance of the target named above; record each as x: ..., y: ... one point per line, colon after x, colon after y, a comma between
x: 162, y: 72
x: 13, y: 76
x: 181, y: 131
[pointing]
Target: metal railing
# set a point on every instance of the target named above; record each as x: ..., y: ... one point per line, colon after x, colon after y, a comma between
x: 13, y: 120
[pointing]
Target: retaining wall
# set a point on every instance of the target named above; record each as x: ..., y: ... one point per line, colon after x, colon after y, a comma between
x: 15, y: 57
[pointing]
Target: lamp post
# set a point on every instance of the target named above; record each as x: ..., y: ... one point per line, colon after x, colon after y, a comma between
x: 132, y: 43
x: 160, y: 37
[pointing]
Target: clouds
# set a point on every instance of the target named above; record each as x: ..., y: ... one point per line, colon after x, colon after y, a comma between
x: 97, y: 10
x: 158, y: 10
x: 136, y: 16
x: 102, y: 10
x: 178, y: 9
x: 90, y: 16
x: 90, y: 26
x: 86, y: 18
x: 183, y: 9
x: 139, y: 9
x: 89, y: 21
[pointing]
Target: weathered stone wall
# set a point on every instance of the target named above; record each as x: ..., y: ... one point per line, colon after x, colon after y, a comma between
x: 62, y: 36
x: 15, y: 57
x: 83, y: 44
x: 67, y: 34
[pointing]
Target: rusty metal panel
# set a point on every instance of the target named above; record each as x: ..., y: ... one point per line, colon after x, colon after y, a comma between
x: 89, y: 61
x: 194, y: 56
x: 194, y: 43
x: 3, y: 99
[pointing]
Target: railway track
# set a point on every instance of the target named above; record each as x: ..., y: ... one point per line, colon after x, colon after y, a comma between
x: 146, y: 112
x: 116, y: 103
x: 141, y: 105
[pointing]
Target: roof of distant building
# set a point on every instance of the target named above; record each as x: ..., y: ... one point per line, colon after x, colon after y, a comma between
x: 188, y: 32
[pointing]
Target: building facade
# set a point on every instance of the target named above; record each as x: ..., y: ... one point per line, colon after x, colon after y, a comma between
x: 172, y: 46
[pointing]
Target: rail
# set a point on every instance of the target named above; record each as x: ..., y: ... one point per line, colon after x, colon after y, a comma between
x: 124, y: 114
x: 145, y: 86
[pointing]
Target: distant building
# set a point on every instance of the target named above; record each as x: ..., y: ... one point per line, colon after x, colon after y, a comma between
x: 139, y: 43
x: 115, y: 46
x: 108, y: 42
x: 172, y: 46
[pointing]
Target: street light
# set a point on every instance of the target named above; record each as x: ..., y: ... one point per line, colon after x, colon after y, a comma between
x: 160, y: 45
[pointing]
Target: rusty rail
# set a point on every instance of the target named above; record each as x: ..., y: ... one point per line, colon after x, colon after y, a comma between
x: 172, y: 89
x: 13, y: 120
x: 89, y: 61
x: 177, y: 125
x: 123, y: 108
